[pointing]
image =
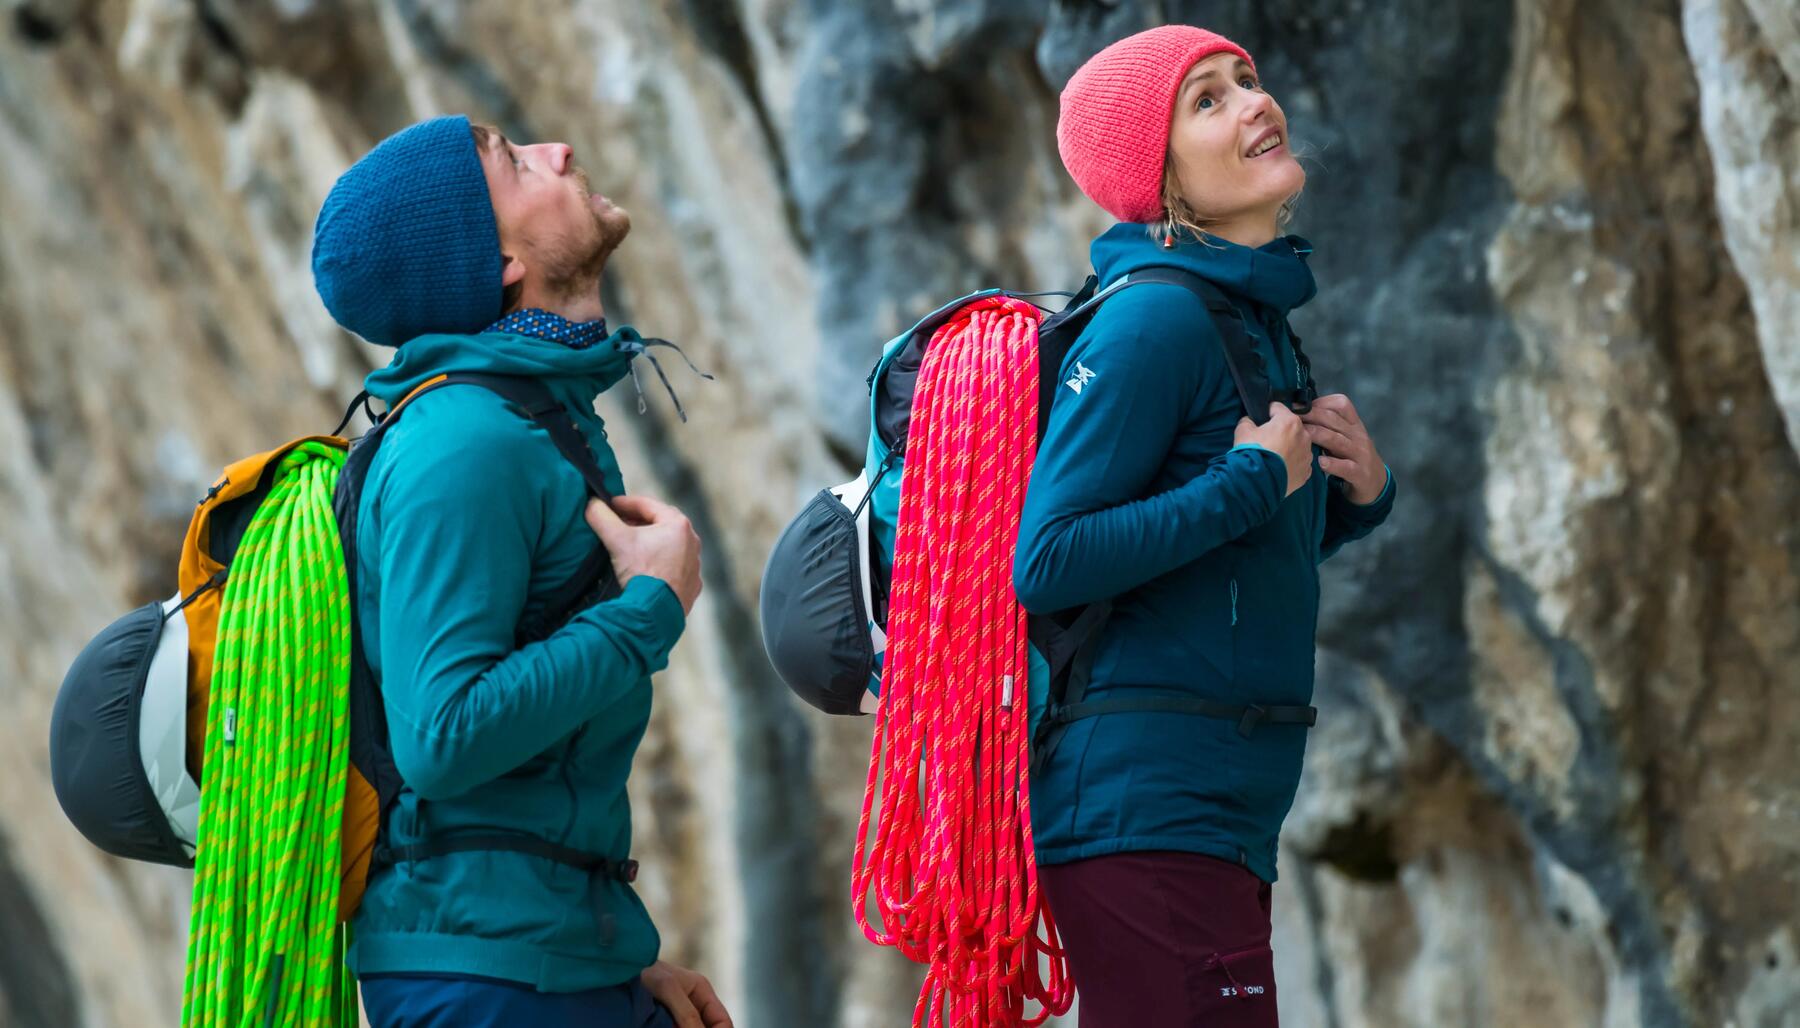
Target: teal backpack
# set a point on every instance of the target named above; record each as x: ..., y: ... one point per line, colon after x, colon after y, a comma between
x: 825, y: 588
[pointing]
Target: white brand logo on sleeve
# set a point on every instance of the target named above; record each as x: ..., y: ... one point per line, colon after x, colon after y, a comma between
x: 1081, y: 377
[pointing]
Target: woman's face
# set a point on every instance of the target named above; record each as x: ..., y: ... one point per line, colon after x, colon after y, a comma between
x: 1229, y: 147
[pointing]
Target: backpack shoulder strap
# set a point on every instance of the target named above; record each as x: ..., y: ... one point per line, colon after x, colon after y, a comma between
x: 534, y: 398
x: 594, y: 579
x: 1055, y: 336
x: 1248, y: 373
x: 1067, y: 643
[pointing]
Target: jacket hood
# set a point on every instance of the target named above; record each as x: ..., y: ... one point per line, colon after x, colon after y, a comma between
x: 575, y: 376
x: 1275, y: 275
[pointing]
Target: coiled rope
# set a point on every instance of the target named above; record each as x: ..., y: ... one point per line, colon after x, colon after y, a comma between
x: 265, y: 946
x: 951, y: 868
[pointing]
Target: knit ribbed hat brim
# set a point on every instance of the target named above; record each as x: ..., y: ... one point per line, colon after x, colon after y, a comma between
x: 1113, y: 130
x: 406, y: 243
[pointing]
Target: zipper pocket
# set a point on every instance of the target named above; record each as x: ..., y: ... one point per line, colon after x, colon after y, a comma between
x: 1218, y: 958
x: 1234, y: 599
x: 569, y: 782
x: 1237, y: 988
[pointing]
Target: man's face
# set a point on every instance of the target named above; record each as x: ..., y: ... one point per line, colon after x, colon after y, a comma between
x: 549, y: 221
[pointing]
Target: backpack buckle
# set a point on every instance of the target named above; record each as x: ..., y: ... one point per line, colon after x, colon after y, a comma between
x: 217, y: 488
x: 1297, y: 400
x: 1254, y: 714
x: 1304, y: 396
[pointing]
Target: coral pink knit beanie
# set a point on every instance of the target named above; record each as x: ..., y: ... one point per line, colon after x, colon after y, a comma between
x: 1113, y: 132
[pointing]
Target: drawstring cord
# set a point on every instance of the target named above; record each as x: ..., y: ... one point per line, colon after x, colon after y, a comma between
x: 638, y: 346
x: 1238, y: 990
x: 360, y: 400
x: 628, y: 341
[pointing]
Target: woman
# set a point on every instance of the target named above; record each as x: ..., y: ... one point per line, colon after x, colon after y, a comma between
x: 1156, y: 831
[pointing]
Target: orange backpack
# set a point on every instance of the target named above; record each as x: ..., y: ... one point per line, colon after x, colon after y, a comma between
x: 128, y: 729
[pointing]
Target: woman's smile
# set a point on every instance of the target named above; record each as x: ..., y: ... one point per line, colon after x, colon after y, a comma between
x: 1266, y: 143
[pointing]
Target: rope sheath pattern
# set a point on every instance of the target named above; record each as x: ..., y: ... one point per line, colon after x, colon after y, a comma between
x: 950, y: 870
x: 265, y: 946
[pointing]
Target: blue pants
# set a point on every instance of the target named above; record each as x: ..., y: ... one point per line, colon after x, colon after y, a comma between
x: 449, y: 1001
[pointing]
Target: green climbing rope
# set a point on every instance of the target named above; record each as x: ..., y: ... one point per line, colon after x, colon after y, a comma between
x: 265, y: 947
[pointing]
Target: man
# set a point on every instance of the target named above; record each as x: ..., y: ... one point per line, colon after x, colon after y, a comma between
x: 471, y: 253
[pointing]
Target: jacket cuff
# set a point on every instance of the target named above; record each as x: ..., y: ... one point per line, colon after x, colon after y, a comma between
x: 1375, y: 510
x: 1269, y: 467
x: 657, y: 598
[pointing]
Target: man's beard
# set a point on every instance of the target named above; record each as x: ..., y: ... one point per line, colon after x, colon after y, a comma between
x: 573, y: 264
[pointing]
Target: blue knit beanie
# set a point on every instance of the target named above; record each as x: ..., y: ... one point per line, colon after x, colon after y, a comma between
x: 406, y: 243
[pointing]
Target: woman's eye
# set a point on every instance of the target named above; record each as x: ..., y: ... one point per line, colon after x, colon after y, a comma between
x: 1248, y: 82
x: 1206, y: 103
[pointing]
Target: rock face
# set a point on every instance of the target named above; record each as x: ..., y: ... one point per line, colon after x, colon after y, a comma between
x: 1559, y: 255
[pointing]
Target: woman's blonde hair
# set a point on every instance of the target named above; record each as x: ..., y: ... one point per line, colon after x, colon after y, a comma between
x: 1179, y: 216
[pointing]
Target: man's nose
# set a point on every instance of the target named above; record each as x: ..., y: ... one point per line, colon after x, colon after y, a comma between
x: 556, y: 156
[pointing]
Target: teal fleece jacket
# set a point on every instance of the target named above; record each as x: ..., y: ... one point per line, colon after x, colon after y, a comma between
x: 1138, y: 495
x: 470, y: 518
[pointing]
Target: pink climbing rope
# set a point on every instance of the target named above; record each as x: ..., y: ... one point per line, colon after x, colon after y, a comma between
x: 950, y: 872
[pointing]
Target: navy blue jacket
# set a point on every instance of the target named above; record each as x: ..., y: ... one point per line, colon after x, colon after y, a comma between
x: 1138, y: 495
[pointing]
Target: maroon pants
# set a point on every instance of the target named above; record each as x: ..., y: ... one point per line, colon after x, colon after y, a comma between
x: 1165, y: 940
